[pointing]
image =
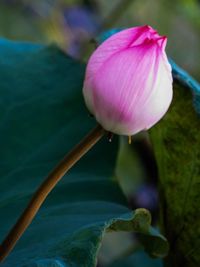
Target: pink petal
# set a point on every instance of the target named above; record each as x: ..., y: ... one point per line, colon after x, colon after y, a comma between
x: 156, y: 105
x: 120, y: 86
x: 116, y: 43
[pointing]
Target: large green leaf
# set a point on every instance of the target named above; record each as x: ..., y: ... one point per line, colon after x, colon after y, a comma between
x: 176, y: 142
x: 42, y: 116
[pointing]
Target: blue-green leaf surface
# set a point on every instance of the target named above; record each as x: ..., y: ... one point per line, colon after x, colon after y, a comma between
x: 42, y: 116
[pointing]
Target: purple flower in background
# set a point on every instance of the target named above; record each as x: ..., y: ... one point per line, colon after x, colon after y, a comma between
x: 81, y: 18
x: 146, y: 197
x: 82, y: 24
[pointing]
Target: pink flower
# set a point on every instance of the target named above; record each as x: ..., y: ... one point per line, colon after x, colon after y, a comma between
x: 128, y: 82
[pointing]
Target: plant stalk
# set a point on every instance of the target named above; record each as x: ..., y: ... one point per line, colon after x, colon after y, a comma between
x: 46, y: 187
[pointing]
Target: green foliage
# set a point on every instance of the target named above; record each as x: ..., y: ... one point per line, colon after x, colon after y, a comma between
x: 176, y: 142
x: 17, y: 23
x: 138, y: 259
x: 42, y: 116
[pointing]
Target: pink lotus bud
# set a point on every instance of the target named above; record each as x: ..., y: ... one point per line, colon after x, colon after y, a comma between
x: 128, y: 83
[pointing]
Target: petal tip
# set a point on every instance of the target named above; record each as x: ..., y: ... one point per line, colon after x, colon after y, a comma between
x: 162, y: 42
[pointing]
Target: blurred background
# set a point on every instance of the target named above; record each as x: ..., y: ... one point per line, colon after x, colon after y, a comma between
x: 74, y: 25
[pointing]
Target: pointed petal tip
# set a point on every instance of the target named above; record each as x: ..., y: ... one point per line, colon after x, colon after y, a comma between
x: 163, y: 42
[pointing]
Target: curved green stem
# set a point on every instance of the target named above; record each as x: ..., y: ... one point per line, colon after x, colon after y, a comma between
x: 45, y: 188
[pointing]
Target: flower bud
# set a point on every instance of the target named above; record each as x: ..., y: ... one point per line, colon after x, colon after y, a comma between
x: 128, y: 81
